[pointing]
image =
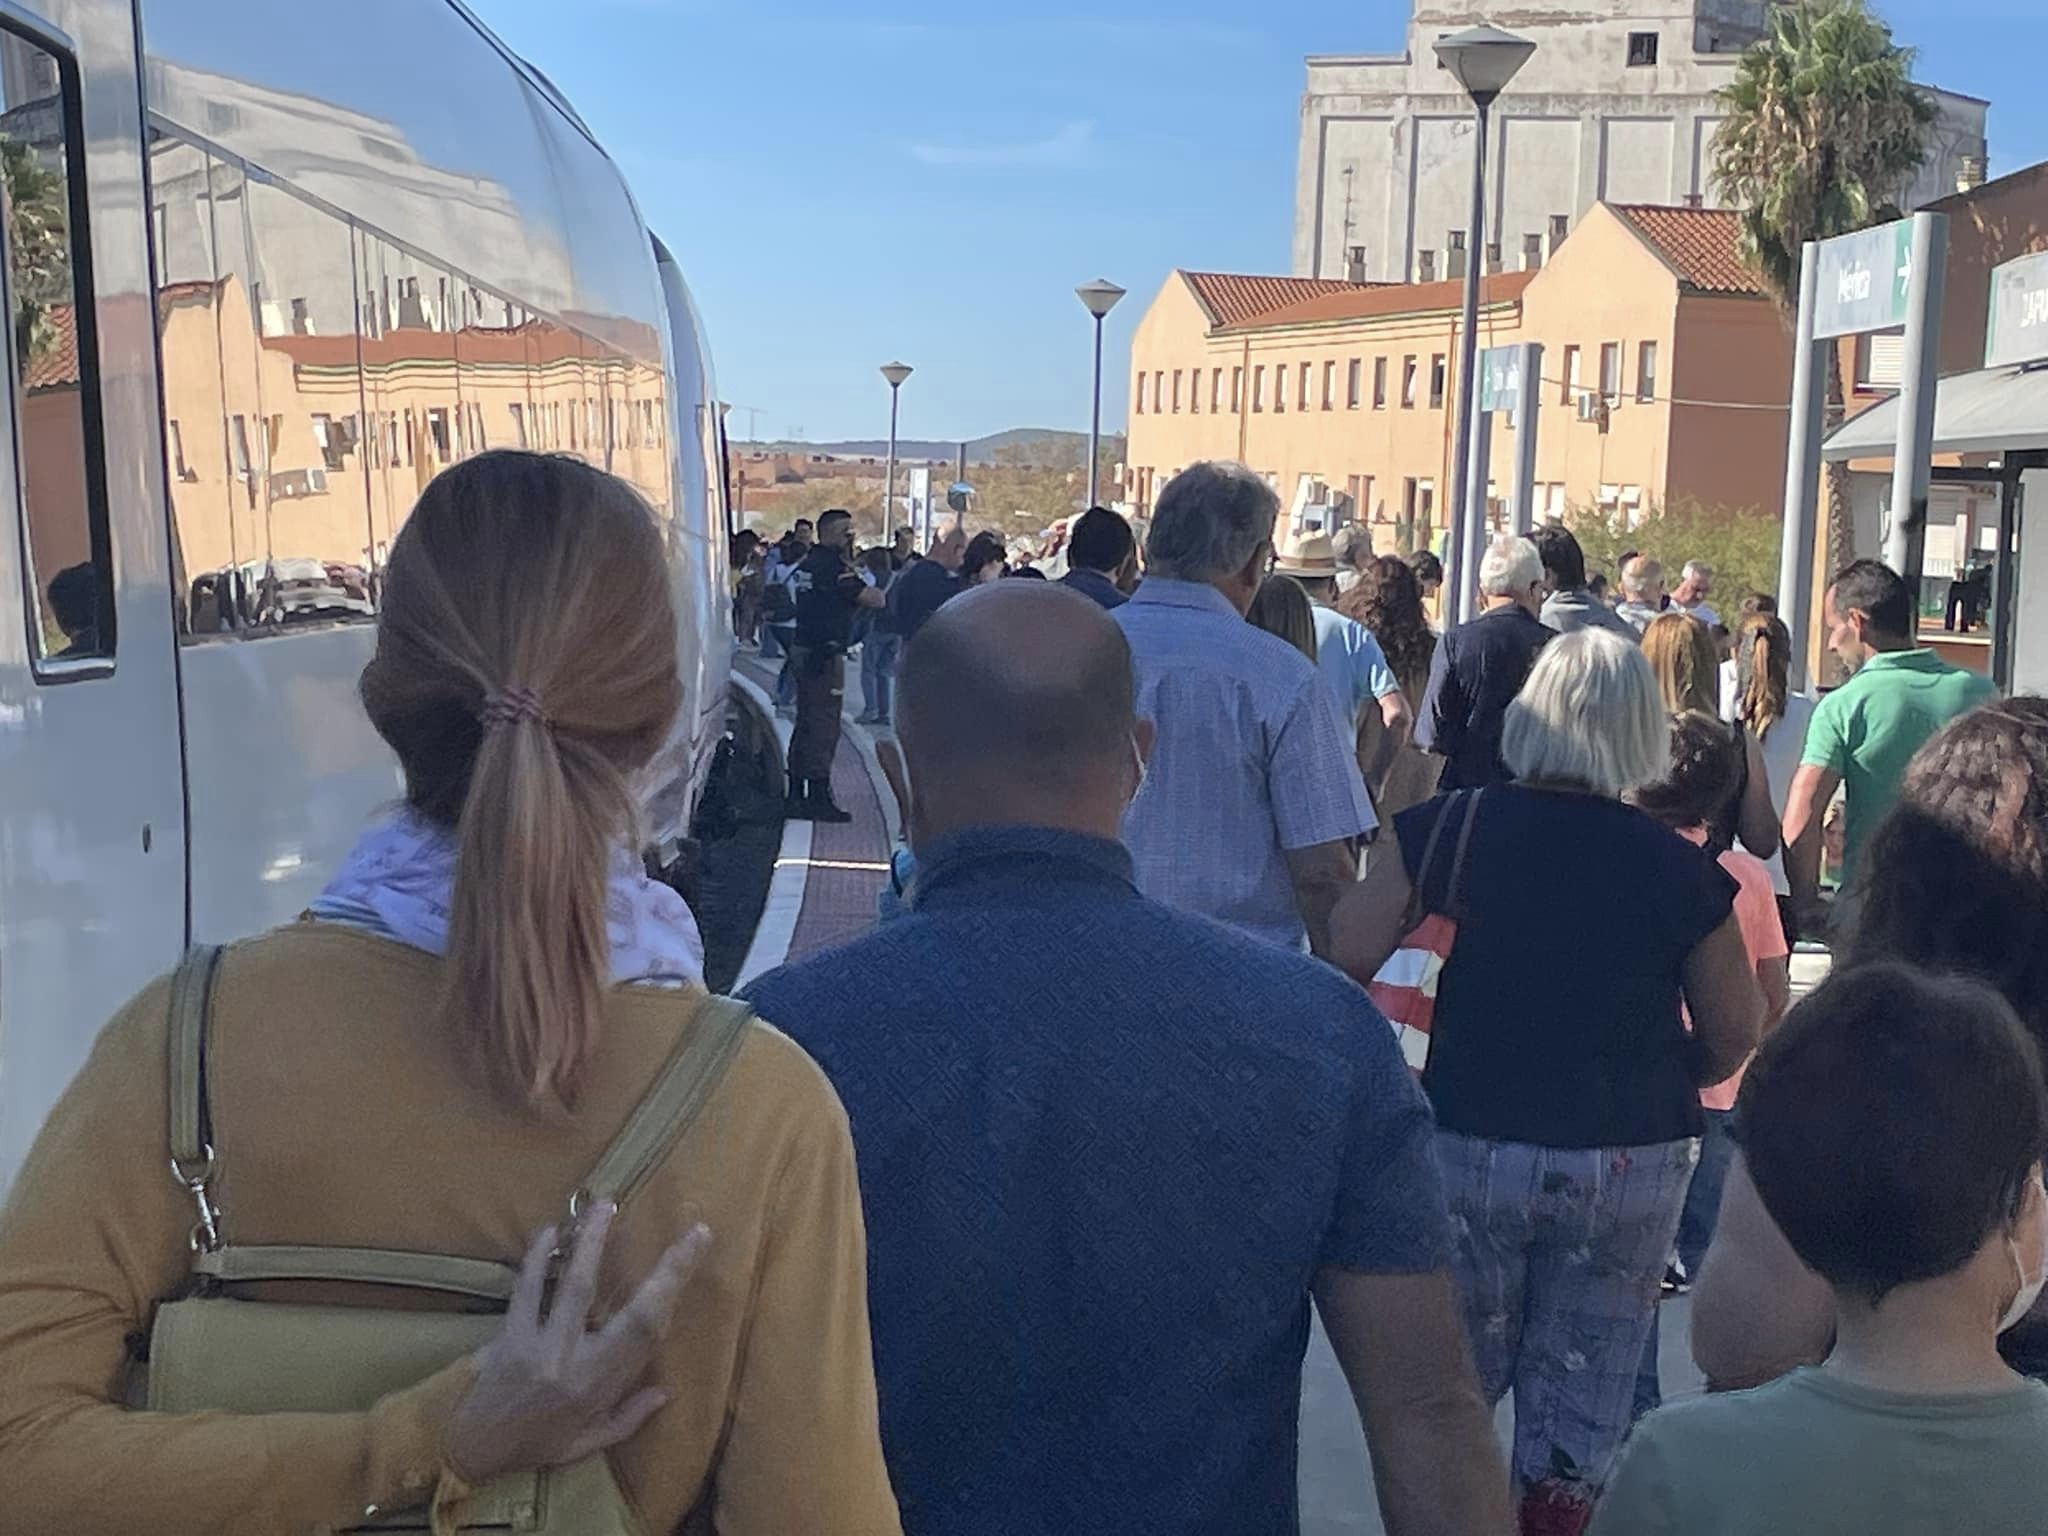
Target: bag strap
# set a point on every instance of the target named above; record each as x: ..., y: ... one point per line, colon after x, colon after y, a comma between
x: 1418, y: 900
x: 670, y: 1107
x: 1456, y: 882
x: 694, y: 1071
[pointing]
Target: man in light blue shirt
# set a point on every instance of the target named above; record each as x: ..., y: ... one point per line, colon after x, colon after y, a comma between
x: 1253, y: 806
x: 1347, y: 653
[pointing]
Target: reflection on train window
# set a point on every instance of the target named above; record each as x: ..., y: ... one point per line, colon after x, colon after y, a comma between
x: 52, y: 339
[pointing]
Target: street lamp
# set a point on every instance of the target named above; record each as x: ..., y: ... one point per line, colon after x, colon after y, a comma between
x: 895, y: 373
x: 1100, y: 297
x: 1484, y: 60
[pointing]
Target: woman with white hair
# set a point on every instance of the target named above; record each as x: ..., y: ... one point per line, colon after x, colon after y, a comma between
x: 1565, y: 1084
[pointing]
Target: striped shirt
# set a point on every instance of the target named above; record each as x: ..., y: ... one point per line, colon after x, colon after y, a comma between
x: 1252, y: 761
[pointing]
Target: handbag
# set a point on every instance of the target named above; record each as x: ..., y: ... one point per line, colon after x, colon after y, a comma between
x: 210, y: 1349
x: 1404, y: 989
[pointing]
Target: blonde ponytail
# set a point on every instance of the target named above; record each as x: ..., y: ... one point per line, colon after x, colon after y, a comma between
x: 526, y: 668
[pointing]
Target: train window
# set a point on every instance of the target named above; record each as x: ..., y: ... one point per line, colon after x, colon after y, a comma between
x: 315, y: 488
x: 68, y: 567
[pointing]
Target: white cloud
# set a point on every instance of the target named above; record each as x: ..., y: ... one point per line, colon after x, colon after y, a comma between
x: 1070, y: 145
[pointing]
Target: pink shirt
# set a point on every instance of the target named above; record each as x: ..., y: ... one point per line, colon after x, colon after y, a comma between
x: 1763, y: 937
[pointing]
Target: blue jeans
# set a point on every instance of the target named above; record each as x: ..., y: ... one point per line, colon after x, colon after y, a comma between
x: 1559, y: 1254
x: 785, y: 680
x: 878, y: 655
x: 771, y: 642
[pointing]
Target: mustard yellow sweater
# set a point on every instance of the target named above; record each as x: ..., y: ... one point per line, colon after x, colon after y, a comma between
x: 341, y: 1116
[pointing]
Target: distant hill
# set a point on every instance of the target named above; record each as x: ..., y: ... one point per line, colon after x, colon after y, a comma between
x: 1035, y: 444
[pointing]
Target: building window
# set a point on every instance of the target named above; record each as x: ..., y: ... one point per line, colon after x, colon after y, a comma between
x: 1176, y: 391
x: 61, y: 499
x: 1438, y: 374
x: 1280, y: 372
x: 1379, y: 383
x: 1532, y: 252
x: 1216, y: 393
x: 1194, y: 391
x: 1880, y: 360
x: 1301, y: 395
x: 1610, y: 372
x: 1570, y: 390
x: 1425, y: 266
x: 1642, y: 50
x: 1354, y: 384
x: 1236, y: 391
x: 1140, y: 393
x: 1646, y: 372
x: 1408, y: 382
x: 1159, y: 392
x: 1258, y: 389
x: 1329, y: 386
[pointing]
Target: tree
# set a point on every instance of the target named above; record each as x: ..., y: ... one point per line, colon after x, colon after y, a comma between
x: 1740, y: 543
x: 39, y: 243
x: 1825, y: 130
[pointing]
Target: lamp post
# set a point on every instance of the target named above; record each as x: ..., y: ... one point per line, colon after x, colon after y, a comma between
x: 895, y: 373
x: 1484, y: 60
x: 1100, y: 297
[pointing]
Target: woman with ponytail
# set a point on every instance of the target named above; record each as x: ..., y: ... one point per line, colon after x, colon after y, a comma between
x: 433, y: 1063
x: 1775, y: 718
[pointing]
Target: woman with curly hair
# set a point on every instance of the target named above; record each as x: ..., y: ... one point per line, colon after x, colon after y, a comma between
x: 1387, y: 600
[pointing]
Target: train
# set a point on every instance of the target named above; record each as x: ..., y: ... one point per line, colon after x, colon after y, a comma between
x: 268, y: 271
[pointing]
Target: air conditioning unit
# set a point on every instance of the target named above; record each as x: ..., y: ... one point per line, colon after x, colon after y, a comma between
x: 1595, y: 409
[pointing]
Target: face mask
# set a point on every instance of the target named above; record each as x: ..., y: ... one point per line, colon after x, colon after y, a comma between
x: 2029, y: 1290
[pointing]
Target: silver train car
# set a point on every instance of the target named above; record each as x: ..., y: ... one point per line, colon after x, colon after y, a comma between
x: 268, y: 271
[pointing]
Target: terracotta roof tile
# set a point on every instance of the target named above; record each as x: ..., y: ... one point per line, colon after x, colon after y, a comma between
x: 1369, y: 303
x: 1702, y: 245
x: 1234, y: 298
x: 56, y: 366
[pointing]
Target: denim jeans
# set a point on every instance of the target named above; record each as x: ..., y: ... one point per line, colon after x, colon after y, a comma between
x: 878, y: 655
x: 1559, y: 1254
x: 771, y: 641
x: 785, y: 680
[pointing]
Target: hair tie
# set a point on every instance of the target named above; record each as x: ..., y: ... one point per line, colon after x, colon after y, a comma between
x: 512, y: 706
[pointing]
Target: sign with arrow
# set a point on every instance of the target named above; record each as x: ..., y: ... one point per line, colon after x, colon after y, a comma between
x: 1866, y: 280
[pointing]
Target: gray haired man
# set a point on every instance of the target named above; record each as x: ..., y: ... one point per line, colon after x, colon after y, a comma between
x: 1481, y: 666
x: 1253, y: 806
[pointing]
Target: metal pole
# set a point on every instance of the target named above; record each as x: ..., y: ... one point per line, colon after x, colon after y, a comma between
x: 1527, y: 413
x: 1928, y: 287
x: 889, y: 499
x: 1802, y: 470
x: 1463, y: 500
x: 1095, y: 421
x: 1473, y: 533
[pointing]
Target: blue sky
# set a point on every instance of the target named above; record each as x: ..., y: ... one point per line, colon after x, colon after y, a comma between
x: 850, y: 182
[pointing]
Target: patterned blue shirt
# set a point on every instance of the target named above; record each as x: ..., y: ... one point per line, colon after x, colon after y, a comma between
x: 1104, y: 1148
x: 1253, y: 761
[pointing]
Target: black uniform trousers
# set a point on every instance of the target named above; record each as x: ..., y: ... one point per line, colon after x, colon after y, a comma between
x: 820, y: 686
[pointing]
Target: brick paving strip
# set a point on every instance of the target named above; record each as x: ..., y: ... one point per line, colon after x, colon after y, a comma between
x: 827, y: 877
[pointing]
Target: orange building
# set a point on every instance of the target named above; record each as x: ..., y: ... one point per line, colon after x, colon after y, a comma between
x: 1666, y: 377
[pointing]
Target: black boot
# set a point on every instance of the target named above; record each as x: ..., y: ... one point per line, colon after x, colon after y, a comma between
x: 822, y: 805
x: 797, y: 807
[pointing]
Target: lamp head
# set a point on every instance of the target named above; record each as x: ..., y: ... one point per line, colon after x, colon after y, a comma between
x: 1100, y: 296
x: 1484, y: 59
x: 896, y: 373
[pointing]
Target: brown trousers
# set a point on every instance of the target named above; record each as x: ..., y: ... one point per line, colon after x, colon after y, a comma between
x: 820, y: 684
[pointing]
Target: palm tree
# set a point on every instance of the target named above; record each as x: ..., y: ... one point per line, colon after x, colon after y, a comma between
x: 1824, y: 132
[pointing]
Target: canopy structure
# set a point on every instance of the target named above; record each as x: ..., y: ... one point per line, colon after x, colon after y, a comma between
x: 1996, y: 411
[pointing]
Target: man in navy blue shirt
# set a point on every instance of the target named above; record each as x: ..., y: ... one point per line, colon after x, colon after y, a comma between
x: 1102, y: 557
x: 1110, y: 1150
x: 1481, y: 666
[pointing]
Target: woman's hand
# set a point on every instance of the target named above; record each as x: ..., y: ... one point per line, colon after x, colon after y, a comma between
x: 548, y: 1391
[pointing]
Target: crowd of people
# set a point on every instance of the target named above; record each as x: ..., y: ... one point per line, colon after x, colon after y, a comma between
x: 962, y: 1246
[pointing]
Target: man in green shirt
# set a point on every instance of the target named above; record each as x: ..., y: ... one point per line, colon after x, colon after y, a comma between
x: 1866, y: 731
x: 1894, y: 1128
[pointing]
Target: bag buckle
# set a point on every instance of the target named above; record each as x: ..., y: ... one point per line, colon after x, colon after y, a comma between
x: 197, y: 1183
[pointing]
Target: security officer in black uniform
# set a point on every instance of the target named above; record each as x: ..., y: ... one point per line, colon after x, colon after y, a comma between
x: 828, y: 591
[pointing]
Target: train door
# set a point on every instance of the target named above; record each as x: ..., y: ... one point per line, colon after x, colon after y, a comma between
x: 92, y: 838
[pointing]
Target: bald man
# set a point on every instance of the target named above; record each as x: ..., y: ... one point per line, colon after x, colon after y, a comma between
x: 1109, y: 1150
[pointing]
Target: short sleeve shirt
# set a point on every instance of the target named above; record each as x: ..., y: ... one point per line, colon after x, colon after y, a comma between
x: 1352, y: 663
x: 1868, y: 729
x: 1557, y: 1016
x: 1251, y: 762
x: 1763, y: 938
x: 828, y: 590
